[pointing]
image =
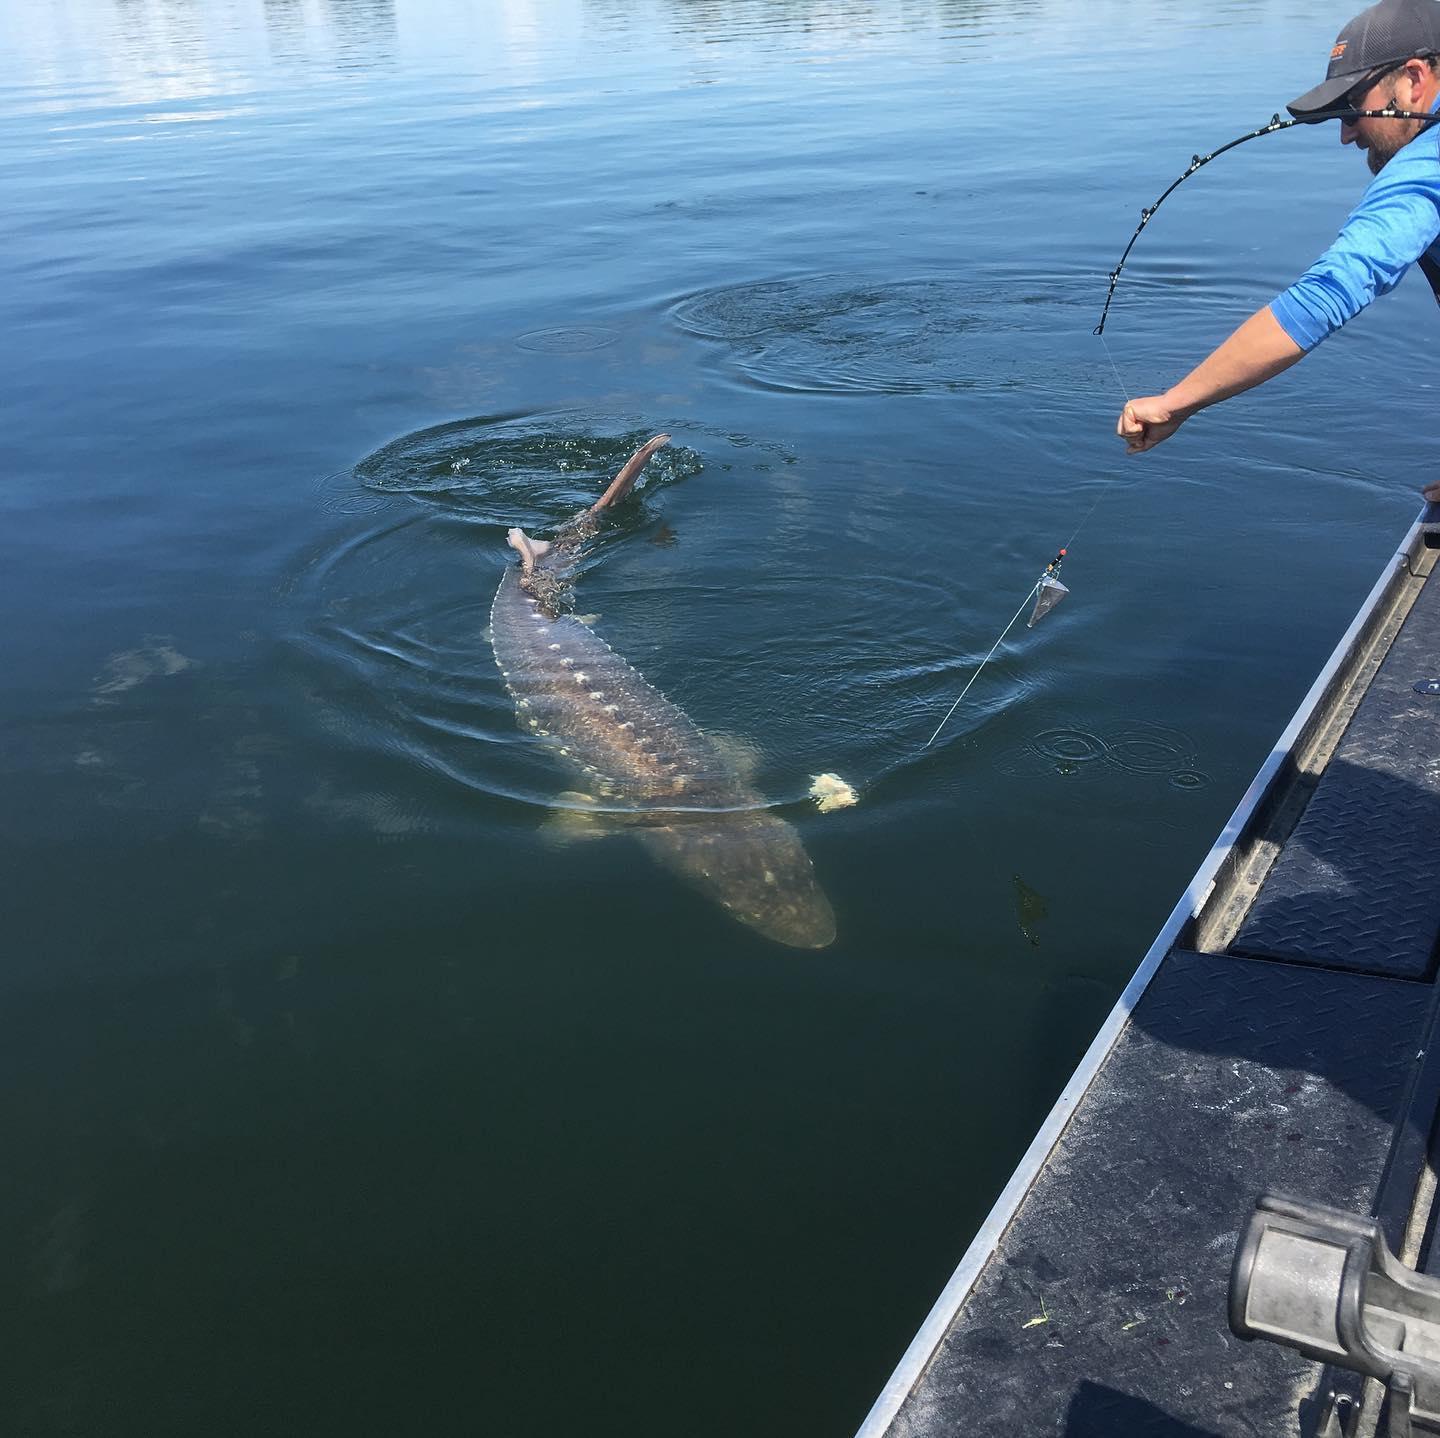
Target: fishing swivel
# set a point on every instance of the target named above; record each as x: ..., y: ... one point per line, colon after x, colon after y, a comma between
x: 1048, y: 590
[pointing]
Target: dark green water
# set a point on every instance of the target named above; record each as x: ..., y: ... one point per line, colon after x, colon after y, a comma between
x: 338, y: 1097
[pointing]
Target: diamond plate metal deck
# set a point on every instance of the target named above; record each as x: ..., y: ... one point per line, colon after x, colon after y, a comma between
x: 1101, y: 1312
x: 1357, y: 885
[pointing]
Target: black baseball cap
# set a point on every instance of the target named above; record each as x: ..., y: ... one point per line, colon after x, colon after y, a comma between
x: 1384, y: 36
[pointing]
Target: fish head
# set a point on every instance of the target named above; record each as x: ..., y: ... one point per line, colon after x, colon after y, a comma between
x: 754, y: 865
x: 804, y: 920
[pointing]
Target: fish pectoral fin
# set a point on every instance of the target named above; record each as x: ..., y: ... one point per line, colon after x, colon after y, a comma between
x: 529, y: 550
x: 570, y: 821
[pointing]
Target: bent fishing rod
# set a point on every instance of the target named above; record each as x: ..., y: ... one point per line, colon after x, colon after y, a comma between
x: 1047, y: 591
x: 1198, y: 162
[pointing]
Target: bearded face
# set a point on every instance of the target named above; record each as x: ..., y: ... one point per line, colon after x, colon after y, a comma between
x: 1382, y: 140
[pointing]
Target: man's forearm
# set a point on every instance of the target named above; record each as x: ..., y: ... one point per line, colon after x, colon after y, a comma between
x: 1259, y: 350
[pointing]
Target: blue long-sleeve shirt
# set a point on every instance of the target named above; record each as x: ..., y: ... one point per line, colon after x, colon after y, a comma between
x: 1396, y: 222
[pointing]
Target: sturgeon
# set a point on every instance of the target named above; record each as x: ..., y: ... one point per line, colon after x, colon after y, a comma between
x: 645, y: 764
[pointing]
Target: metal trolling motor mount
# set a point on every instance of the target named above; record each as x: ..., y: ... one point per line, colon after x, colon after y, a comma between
x: 1323, y: 1282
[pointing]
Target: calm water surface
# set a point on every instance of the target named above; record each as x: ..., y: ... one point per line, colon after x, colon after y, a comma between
x: 339, y: 1096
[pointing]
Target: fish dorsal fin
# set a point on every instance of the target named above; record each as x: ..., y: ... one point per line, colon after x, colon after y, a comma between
x: 623, y: 482
x: 529, y: 550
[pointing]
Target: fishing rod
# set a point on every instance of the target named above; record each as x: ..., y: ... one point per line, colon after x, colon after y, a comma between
x: 1198, y: 162
x: 1047, y: 591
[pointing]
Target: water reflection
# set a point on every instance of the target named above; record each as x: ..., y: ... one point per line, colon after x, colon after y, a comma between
x: 167, y: 49
x: 856, y: 23
x: 133, y: 51
x: 355, y: 34
x: 363, y: 29
x: 164, y: 49
x: 167, y: 35
x: 286, y: 30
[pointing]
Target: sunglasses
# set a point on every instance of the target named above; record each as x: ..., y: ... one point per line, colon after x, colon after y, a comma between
x: 1355, y: 96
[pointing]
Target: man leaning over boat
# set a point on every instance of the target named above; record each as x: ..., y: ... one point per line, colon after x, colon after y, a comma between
x: 1385, y: 58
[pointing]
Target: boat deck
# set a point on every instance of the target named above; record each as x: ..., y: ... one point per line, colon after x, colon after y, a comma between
x: 1274, y: 1037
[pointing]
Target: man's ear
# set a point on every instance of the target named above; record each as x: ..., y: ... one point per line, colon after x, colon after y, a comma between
x: 1416, y: 78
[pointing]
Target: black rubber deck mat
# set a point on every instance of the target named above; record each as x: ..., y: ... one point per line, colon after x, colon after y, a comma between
x: 1103, y: 1310
x: 1357, y: 885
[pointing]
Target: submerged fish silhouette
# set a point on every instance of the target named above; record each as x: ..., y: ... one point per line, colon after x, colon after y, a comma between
x: 649, y: 767
x: 1030, y: 908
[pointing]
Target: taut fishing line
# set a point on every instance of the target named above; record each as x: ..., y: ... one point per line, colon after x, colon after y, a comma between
x: 1047, y: 591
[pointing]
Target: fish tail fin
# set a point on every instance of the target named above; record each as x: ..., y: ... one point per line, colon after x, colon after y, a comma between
x: 623, y: 482
x: 585, y: 525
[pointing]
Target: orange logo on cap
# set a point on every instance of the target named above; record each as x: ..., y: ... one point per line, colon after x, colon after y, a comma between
x: 1339, y: 50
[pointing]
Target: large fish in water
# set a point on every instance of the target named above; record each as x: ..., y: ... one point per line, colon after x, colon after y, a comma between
x: 643, y: 761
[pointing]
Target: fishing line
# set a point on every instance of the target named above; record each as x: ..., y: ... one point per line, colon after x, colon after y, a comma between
x: 983, y: 663
x: 1047, y: 591
x: 1105, y: 345
x: 1049, y: 577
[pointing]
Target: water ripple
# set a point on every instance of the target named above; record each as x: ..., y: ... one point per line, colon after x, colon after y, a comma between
x: 513, y: 468
x: 567, y: 340
x: 1136, y: 748
x: 840, y: 335
x: 390, y: 614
